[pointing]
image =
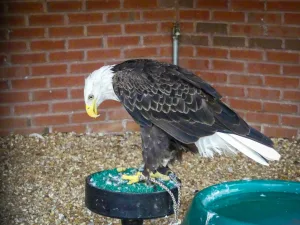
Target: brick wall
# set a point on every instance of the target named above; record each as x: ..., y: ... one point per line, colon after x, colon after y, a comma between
x: 249, y: 50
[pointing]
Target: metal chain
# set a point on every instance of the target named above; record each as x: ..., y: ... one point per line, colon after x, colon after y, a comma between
x: 175, y: 205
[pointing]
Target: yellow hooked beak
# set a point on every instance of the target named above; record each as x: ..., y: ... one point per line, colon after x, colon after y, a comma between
x: 92, y: 109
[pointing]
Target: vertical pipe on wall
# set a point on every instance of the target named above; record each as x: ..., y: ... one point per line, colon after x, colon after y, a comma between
x: 176, y: 34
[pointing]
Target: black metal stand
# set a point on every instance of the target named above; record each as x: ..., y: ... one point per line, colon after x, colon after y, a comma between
x: 130, y: 208
x: 132, y: 222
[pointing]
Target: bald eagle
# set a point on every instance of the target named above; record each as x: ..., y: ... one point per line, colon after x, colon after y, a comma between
x: 177, y: 111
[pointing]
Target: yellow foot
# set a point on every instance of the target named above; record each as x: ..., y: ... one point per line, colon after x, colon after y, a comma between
x: 121, y: 169
x: 160, y: 176
x: 132, y: 178
x: 136, y: 177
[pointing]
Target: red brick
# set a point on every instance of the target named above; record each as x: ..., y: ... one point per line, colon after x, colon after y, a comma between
x: 246, y: 54
x: 96, y: 30
x: 14, y: 71
x: 109, y: 104
x: 262, y: 68
x: 280, y: 132
x: 213, y: 77
x: 48, y: 19
x: 119, y: 114
x: 282, y: 31
x: 65, y: 31
x: 265, y: 43
x: 185, y: 27
x: 122, y: 16
x: 114, y: 127
x: 280, y: 108
x: 77, y: 93
x: 263, y: 93
x: 247, y: 5
x: 12, y: 20
x: 4, y: 111
x: 4, y: 85
x: 49, y: 95
x: 28, y: 58
x: 3, y: 59
x: 71, y: 81
x: 194, y: 64
x: 284, y: 82
x: 85, y: 43
x: 85, y: 118
x: 140, y: 28
x: 27, y: 33
x: 103, y: 5
x: 245, y: 79
x: 25, y: 7
x: 283, y: 6
x: 159, y: 15
x: 29, y: 83
x: 211, y: 52
x: 66, y: 56
x: 229, y: 16
x: 13, y: 46
x: 230, y: 91
x: 291, y: 95
x: 283, y: 57
x: 103, y: 54
x: 293, y: 121
x: 86, y: 18
x: 291, y: 70
x: 140, y: 52
x: 194, y: 15
x: 198, y: 40
x: 262, y: 118
x: 68, y: 106
x: 13, y: 97
x: 123, y: 41
x: 47, y: 45
x: 85, y: 67
x: 292, y: 18
x: 246, y: 30
x: 228, y: 65
x: 70, y: 128
x: 31, y: 109
x: 137, y: 4
x: 216, y: 4
x: 157, y: 39
x: 244, y: 104
x: 12, y: 123
x: 268, y: 18
x: 49, y: 69
x: 132, y: 126
x: 50, y: 120
x: 63, y: 6
x: 186, y: 51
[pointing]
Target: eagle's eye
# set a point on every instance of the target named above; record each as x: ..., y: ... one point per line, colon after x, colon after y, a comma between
x: 91, y: 97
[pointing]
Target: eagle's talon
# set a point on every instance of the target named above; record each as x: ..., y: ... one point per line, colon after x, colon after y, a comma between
x: 132, y: 178
x: 121, y: 169
x: 159, y: 176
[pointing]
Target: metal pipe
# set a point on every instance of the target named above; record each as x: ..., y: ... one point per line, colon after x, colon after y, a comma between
x: 176, y: 34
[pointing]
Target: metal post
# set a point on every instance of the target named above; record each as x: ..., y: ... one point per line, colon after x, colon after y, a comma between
x: 176, y: 34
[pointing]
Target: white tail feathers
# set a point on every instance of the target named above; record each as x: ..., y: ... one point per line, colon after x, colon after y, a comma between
x: 223, y: 143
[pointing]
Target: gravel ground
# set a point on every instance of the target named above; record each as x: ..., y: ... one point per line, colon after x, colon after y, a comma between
x: 43, y: 179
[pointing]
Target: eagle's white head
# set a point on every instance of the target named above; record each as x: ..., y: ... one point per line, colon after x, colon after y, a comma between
x: 98, y: 88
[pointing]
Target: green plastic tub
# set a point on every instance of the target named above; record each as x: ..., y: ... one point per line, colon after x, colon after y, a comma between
x: 246, y: 202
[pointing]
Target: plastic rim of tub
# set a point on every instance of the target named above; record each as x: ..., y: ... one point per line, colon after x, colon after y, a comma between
x: 246, y: 202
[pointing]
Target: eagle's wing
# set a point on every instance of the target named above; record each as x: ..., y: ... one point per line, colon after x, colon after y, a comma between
x: 174, y: 99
